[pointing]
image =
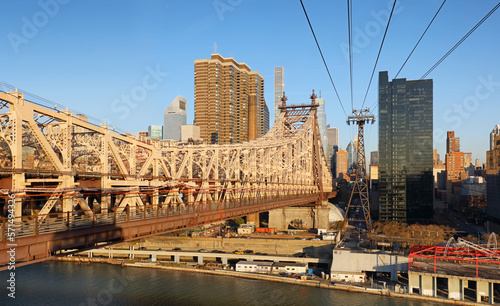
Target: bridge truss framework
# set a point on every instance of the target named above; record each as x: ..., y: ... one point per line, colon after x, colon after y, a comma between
x: 57, y: 167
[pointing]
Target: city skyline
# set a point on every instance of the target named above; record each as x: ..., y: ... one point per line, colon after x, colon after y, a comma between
x: 152, y: 72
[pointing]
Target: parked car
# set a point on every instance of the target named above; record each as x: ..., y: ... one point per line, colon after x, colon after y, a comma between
x: 238, y: 252
x: 202, y: 251
x: 248, y: 252
x: 176, y: 249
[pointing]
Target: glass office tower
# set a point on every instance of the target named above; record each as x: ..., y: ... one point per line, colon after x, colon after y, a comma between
x: 405, y: 149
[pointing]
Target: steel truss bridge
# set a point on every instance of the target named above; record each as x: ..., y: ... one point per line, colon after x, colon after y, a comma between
x: 67, y: 183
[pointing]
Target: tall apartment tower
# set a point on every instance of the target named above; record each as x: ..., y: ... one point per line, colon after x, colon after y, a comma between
x: 493, y: 134
x: 452, y: 142
x: 279, y: 87
x: 455, y: 160
x: 341, y: 162
x: 352, y: 155
x: 174, y: 116
x: 405, y: 149
x: 322, y: 123
x: 333, y: 147
x: 374, y: 158
x: 493, y: 158
x: 229, y: 105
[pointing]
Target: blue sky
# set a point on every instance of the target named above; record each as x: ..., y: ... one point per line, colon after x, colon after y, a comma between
x: 124, y: 61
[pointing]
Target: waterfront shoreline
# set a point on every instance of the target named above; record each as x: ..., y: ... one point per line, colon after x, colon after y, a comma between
x: 265, y: 277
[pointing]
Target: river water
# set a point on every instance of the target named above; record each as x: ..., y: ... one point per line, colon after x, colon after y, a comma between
x: 67, y: 283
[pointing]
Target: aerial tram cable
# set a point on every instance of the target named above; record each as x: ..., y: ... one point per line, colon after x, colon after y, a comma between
x: 322, y: 57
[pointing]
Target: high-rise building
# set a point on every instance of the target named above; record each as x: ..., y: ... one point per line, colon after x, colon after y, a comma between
x: 341, y: 162
x: 455, y: 166
x: 321, y: 113
x: 435, y: 157
x: 229, y: 102
x: 456, y: 161
x: 266, y: 119
x: 333, y: 146
x: 493, y: 158
x: 155, y: 132
x: 279, y: 87
x: 352, y: 155
x: 374, y: 158
x: 405, y: 149
x: 467, y: 159
x: 174, y: 116
x: 452, y: 142
x: 495, y: 132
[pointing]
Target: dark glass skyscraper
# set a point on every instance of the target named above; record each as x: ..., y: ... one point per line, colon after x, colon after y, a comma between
x: 405, y: 149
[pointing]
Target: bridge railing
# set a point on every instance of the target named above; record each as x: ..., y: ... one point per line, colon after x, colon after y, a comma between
x: 42, y: 224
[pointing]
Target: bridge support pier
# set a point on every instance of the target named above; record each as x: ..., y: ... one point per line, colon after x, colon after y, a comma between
x: 224, y: 260
x: 200, y: 260
x: 153, y: 257
x: 177, y: 259
x: 308, y: 217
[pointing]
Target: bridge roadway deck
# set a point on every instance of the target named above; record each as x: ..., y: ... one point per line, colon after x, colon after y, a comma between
x: 112, y: 253
x: 35, y: 243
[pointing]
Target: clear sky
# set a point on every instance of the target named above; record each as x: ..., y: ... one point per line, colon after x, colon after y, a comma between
x: 124, y: 61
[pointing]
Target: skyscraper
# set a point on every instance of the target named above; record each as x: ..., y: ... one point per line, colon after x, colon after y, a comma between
x: 374, y: 158
x: 155, y: 131
x: 352, y: 155
x: 495, y: 132
x: 452, y: 142
x: 341, y: 162
x: 229, y: 101
x: 493, y: 158
x: 405, y: 149
x: 279, y: 87
x: 174, y: 116
x: 322, y: 123
x: 333, y: 147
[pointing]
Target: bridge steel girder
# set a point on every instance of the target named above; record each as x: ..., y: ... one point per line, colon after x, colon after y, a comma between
x: 70, y: 163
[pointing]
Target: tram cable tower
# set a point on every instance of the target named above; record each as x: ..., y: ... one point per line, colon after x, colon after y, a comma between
x: 359, y: 200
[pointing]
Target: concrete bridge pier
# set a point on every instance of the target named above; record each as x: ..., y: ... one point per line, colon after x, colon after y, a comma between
x: 200, y: 260
x: 309, y: 217
x: 177, y: 259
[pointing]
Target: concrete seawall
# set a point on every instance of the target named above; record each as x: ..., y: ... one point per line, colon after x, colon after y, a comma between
x: 311, y: 283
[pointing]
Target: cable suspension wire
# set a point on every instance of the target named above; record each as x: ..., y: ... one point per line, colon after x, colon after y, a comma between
x: 460, y: 41
x: 321, y: 53
x: 422, y: 36
x: 415, y: 47
x: 349, y: 31
x: 380, y: 50
x: 454, y: 47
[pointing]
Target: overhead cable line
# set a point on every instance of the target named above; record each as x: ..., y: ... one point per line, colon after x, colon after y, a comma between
x: 460, y: 41
x: 321, y: 53
x: 455, y: 46
x: 349, y: 31
x: 422, y: 36
x: 415, y: 47
x: 380, y: 50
